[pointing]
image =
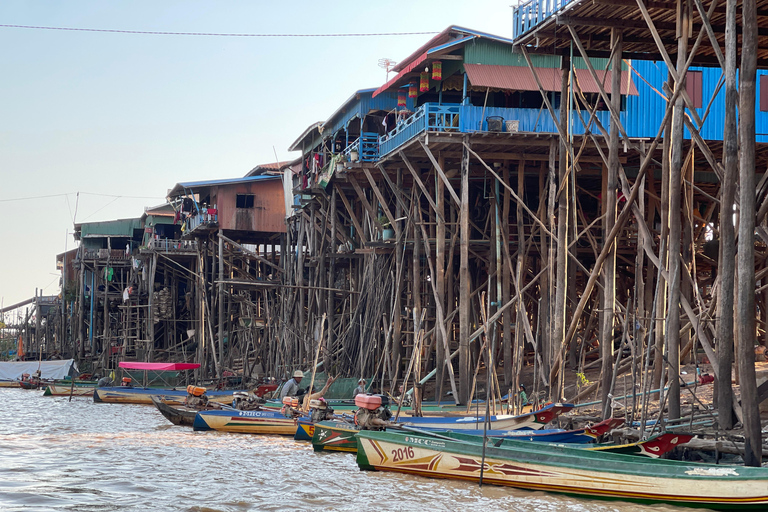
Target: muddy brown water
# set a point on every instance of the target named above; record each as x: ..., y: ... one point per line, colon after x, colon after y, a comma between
x: 57, y: 455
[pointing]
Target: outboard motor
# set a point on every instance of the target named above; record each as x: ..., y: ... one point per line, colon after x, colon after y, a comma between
x: 245, y: 401
x: 291, y: 407
x: 319, y: 410
x: 196, y: 396
x: 373, y: 412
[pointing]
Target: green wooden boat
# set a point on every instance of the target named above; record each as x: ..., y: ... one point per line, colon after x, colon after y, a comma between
x: 563, y: 469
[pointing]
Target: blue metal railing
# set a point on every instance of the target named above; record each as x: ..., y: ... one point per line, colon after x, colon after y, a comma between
x: 529, y: 15
x: 369, y: 146
x: 469, y: 118
x: 403, y: 132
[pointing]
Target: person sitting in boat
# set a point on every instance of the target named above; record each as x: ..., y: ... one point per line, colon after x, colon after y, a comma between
x: 360, y: 388
x: 312, y: 395
x: 403, y: 398
x: 127, y: 382
x: 291, y: 387
x: 103, y: 382
x: 523, y: 396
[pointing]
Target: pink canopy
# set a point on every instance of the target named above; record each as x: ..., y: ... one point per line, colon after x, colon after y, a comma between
x: 158, y: 367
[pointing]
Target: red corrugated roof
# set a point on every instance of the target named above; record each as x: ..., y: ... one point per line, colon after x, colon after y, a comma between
x: 588, y: 84
x: 516, y: 78
x: 401, y: 75
x: 519, y: 78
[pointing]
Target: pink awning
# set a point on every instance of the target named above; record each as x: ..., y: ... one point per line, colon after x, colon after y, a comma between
x: 158, y: 367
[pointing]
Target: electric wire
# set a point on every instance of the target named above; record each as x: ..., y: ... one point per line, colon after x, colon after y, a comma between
x: 215, y: 34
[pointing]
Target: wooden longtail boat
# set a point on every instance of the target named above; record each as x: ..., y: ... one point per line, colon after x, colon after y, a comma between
x: 304, y: 429
x: 565, y: 469
x: 246, y: 422
x: 532, y: 420
x: 64, y: 389
x: 176, y: 414
x: 9, y: 384
x: 128, y: 395
x: 338, y: 436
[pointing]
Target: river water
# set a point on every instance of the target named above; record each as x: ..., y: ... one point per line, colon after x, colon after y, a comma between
x: 57, y: 455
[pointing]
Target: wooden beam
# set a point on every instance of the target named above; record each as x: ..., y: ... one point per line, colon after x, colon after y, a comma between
x: 382, y: 202
x: 366, y: 204
x: 350, y: 211
x: 424, y: 190
x: 439, y: 170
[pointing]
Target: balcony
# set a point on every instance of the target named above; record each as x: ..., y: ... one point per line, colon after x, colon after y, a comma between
x: 171, y: 246
x: 207, y: 218
x: 366, y: 146
x: 527, y: 16
x: 432, y: 117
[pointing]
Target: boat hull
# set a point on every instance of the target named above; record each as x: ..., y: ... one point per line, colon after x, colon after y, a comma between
x: 304, y: 430
x: 66, y: 390
x: 556, y: 468
x: 335, y: 436
x: 177, y: 415
x: 533, y: 420
x: 245, y: 422
x: 126, y: 395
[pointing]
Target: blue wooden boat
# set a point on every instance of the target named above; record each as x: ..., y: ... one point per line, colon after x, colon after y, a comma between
x: 264, y: 421
x: 534, y: 420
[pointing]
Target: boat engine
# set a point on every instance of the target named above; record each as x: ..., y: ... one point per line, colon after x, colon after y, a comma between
x: 291, y: 407
x: 373, y: 412
x: 245, y: 401
x: 196, y: 396
x: 319, y: 410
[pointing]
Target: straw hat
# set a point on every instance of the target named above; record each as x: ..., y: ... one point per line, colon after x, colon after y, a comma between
x: 298, y: 374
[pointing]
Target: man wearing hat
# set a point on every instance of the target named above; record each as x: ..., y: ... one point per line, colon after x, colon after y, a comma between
x: 291, y: 388
x: 360, y: 388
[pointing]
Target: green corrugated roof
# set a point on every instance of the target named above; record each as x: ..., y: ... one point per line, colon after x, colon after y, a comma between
x: 121, y: 227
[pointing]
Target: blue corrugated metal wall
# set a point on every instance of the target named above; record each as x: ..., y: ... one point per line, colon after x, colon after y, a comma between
x: 384, y: 101
x: 646, y: 111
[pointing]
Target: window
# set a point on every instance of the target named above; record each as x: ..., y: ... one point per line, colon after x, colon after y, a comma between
x: 693, y: 87
x: 763, y: 93
x: 244, y: 201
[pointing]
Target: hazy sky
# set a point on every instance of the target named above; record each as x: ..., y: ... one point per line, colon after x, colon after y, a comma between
x: 121, y: 118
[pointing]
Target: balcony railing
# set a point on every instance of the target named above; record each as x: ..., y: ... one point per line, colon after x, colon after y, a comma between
x: 169, y: 245
x: 201, y: 219
x: 403, y: 132
x: 529, y: 15
x: 470, y: 119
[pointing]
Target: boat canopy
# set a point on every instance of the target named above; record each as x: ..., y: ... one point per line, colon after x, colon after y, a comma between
x: 13, y: 370
x: 158, y: 367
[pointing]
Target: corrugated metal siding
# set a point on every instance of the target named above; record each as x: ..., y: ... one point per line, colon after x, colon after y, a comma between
x: 598, y: 64
x: 482, y: 51
x: 122, y: 227
x: 647, y: 110
x: 384, y: 101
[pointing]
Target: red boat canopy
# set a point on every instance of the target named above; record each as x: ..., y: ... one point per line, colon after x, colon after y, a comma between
x: 158, y: 367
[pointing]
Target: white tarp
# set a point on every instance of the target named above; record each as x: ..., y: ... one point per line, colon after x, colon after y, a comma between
x: 48, y: 369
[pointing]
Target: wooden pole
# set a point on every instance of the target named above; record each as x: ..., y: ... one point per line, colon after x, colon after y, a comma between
x: 561, y: 283
x: 441, y: 343
x: 464, y: 284
x: 727, y: 249
x: 672, y: 335
x: 609, y: 219
x: 746, y: 249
